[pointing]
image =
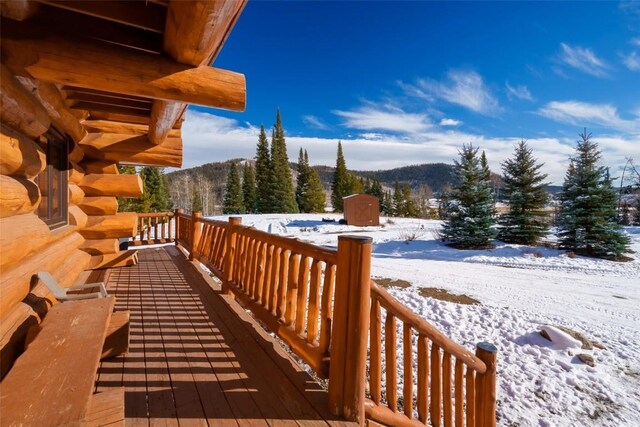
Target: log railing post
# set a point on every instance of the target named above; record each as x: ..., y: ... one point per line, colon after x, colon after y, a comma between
x: 195, y: 231
x: 176, y: 224
x: 229, y: 253
x: 347, y: 369
x: 486, y: 386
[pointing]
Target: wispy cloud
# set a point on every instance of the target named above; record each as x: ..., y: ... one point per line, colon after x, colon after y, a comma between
x: 582, y: 114
x: 209, y: 138
x: 450, y: 122
x: 520, y: 92
x: 632, y: 61
x: 583, y: 59
x: 385, y: 118
x: 314, y: 122
x: 635, y: 41
x: 461, y: 87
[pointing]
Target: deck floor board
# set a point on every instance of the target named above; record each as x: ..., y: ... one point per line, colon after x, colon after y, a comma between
x: 196, y: 358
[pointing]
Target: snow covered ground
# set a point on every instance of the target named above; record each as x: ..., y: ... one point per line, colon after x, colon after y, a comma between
x: 520, y: 290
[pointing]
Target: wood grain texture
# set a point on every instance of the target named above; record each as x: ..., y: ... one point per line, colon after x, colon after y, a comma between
x: 133, y: 149
x: 18, y: 196
x: 122, y: 224
x: 100, y: 166
x: 13, y: 245
x: 18, y: 10
x: 126, y: 185
x: 48, y: 385
x: 99, y: 205
x: 100, y: 246
x: 20, y: 155
x: 19, y: 109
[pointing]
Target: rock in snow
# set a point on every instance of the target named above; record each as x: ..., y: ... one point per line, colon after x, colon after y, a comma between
x: 562, y: 340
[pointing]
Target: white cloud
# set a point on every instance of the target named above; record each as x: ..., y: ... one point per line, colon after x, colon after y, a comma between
x: 314, y: 122
x: 583, y: 59
x: 632, y: 61
x: 209, y: 138
x: 384, y: 118
x: 583, y: 113
x: 520, y: 92
x: 450, y: 122
x: 461, y: 87
x: 635, y: 41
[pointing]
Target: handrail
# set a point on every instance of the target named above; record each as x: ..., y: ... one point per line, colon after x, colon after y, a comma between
x: 154, y: 228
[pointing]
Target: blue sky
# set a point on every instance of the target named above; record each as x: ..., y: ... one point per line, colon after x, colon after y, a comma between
x: 409, y: 82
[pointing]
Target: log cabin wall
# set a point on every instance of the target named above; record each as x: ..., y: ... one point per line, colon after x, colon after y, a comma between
x: 113, y: 79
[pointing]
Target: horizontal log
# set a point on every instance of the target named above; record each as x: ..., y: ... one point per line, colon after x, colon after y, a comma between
x: 51, y: 98
x: 101, y: 246
x: 77, y: 153
x: 126, y: 185
x: 95, y: 65
x: 99, y: 205
x: 109, y: 126
x: 19, y: 155
x: 136, y: 150
x: 18, y: 196
x: 77, y: 217
x: 13, y: 244
x: 120, y: 259
x: 76, y: 172
x: 122, y: 224
x: 164, y: 115
x: 18, y: 10
x: 13, y: 330
x: 100, y: 166
x: 19, y: 109
x: 75, y: 194
x: 16, y: 282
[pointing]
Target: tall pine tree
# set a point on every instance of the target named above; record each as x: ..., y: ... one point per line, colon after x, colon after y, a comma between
x: 340, y: 185
x: 524, y: 187
x: 469, y: 217
x: 249, y: 196
x: 309, y: 192
x: 263, y: 173
x: 587, y: 218
x: 233, y: 203
x: 283, y: 198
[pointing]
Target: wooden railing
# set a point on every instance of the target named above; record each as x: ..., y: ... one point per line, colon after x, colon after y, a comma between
x: 453, y: 384
x: 154, y: 228
x: 323, y: 304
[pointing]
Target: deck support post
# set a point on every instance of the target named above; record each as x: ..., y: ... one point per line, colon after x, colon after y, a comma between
x: 230, y: 252
x: 196, y: 230
x: 176, y: 224
x: 486, y: 386
x: 347, y: 369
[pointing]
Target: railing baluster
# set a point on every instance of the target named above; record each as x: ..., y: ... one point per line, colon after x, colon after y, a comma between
x: 292, y: 288
x: 303, y: 290
x: 282, y: 288
x: 423, y: 378
x: 314, y: 309
x: 407, y: 395
x: 390, y: 361
x: 459, y: 388
x: 327, y: 306
x: 266, y: 283
x: 261, y: 268
x: 470, y: 397
x: 275, y: 275
x: 436, y: 374
x: 446, y: 389
x: 375, y: 361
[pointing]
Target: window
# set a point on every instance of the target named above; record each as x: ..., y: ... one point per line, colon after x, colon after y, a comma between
x: 53, y: 208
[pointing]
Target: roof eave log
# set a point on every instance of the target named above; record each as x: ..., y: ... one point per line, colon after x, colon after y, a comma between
x: 133, y: 149
x: 194, y: 35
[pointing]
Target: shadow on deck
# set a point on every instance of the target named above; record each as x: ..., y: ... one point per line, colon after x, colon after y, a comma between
x: 197, y: 358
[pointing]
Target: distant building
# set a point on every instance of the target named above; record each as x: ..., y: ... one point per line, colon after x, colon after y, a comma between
x: 361, y: 209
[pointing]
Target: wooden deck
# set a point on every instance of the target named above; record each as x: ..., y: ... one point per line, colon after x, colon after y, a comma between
x: 197, y: 358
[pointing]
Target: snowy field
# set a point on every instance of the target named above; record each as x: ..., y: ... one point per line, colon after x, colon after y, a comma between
x: 520, y: 290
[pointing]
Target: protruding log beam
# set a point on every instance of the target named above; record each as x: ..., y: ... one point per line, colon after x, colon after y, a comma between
x: 126, y: 185
x: 76, y: 153
x: 163, y: 117
x: 18, y: 10
x: 19, y: 155
x: 16, y: 282
x: 120, y: 259
x: 76, y: 172
x: 77, y: 217
x: 107, y: 126
x: 100, y: 66
x: 52, y: 100
x: 101, y: 205
x: 19, y: 109
x: 100, y: 166
x: 101, y: 246
x: 18, y: 196
x: 13, y: 244
x: 122, y: 224
x: 132, y: 149
x: 75, y: 194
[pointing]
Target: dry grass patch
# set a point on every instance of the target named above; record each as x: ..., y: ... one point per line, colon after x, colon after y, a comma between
x: 444, y: 295
x: 385, y: 282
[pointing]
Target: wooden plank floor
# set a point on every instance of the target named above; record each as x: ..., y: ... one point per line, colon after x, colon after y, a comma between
x: 197, y: 358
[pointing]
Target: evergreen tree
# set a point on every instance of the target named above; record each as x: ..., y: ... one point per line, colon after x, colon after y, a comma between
x: 233, y: 203
x: 470, y: 209
x: 375, y: 189
x: 587, y: 217
x: 302, y: 179
x: 283, y: 198
x: 524, y: 187
x: 196, y: 201
x: 409, y: 207
x: 340, y: 184
x: 636, y: 215
x: 127, y: 204
x: 155, y: 197
x: 249, y: 194
x: 397, y: 199
x: 386, y: 204
x: 354, y: 184
x: 309, y: 192
x: 263, y: 174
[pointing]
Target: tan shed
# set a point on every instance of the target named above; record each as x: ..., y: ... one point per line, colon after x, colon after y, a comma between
x: 361, y: 209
